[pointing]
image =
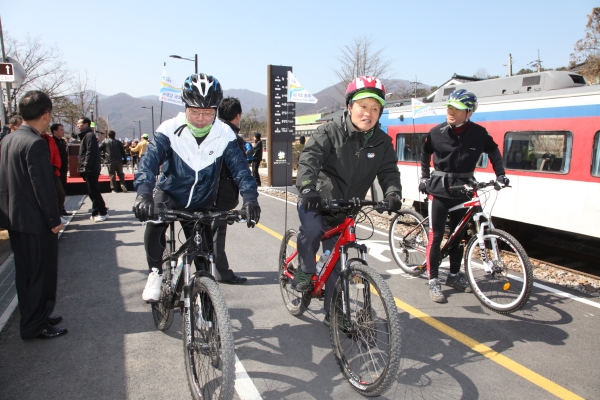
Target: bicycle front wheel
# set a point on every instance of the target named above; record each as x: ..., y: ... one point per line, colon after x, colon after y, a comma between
x: 162, y: 310
x: 295, y: 302
x: 408, y: 242
x: 209, y: 358
x: 367, y: 348
x: 503, y: 281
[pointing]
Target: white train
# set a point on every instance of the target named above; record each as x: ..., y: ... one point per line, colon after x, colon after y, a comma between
x: 547, y: 126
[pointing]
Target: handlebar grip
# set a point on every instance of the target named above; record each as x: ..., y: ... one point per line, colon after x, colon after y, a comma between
x: 458, y: 188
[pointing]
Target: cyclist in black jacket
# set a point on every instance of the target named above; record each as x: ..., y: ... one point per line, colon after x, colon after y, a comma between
x: 456, y: 146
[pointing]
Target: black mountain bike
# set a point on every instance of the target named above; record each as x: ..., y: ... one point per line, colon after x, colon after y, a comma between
x: 207, y: 336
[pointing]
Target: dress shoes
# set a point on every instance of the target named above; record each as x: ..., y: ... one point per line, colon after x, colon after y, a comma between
x: 54, y: 320
x: 65, y: 213
x: 234, y: 280
x: 50, y: 332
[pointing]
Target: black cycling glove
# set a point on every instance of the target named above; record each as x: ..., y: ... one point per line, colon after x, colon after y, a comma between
x: 143, y: 208
x: 311, y: 200
x: 503, y: 180
x: 423, y: 185
x: 394, y: 201
x: 252, y: 212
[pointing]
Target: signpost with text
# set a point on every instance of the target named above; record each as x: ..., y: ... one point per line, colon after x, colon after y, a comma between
x: 7, y: 72
x: 280, y: 126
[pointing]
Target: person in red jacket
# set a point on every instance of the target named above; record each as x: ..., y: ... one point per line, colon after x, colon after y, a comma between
x: 56, y: 164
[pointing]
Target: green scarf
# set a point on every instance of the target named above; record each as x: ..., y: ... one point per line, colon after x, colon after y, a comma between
x: 198, y: 132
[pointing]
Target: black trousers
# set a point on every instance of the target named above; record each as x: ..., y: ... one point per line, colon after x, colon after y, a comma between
x: 221, y: 261
x: 312, y: 228
x: 116, y: 168
x: 36, y: 260
x: 154, y: 235
x: 98, y: 205
x: 438, y: 212
x: 63, y: 181
x: 60, y: 191
x: 255, y: 164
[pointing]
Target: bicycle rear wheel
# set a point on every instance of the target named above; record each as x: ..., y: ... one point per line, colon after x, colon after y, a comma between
x: 162, y: 310
x: 209, y: 359
x: 295, y: 302
x: 367, y: 348
x: 503, y: 284
x: 408, y: 242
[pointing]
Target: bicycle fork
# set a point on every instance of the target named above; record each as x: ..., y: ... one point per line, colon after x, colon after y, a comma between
x: 362, y: 249
x: 481, y: 228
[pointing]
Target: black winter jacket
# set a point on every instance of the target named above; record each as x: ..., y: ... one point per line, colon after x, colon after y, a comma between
x: 338, y: 165
x: 89, y: 153
x: 113, y: 151
x: 228, y: 195
x: 456, y: 154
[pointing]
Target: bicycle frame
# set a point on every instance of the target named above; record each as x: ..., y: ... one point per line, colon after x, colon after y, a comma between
x: 347, y: 239
x: 475, y: 212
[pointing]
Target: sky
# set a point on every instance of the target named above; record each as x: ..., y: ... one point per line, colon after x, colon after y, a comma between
x: 122, y: 45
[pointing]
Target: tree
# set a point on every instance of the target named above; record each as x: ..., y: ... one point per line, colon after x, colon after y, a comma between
x: 587, y: 50
x: 250, y: 123
x: 44, y: 69
x: 359, y: 58
x: 524, y: 71
x: 481, y: 73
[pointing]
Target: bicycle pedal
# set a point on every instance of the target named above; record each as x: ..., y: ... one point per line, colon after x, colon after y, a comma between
x: 417, y: 270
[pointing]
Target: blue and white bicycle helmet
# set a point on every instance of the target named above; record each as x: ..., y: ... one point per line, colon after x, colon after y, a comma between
x: 201, y: 91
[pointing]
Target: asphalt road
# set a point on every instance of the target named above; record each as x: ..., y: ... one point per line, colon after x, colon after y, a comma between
x: 457, y: 350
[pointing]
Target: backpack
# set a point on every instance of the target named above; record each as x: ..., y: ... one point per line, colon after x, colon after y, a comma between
x: 249, y: 150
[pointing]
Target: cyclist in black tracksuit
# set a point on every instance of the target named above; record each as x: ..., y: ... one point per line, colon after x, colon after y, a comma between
x: 456, y: 145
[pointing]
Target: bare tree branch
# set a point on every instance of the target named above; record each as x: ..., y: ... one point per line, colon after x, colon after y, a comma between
x: 587, y: 50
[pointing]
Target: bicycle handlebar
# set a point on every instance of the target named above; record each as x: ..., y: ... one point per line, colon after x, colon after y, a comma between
x: 473, y: 184
x: 179, y: 215
x: 345, y: 204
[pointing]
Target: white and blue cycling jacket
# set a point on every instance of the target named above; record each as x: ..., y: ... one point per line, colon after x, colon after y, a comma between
x: 190, y: 172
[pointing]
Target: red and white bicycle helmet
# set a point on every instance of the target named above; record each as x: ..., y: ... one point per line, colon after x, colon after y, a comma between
x: 366, y: 83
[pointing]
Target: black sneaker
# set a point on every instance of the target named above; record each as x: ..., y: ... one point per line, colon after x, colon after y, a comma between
x: 459, y: 282
x: 302, y: 281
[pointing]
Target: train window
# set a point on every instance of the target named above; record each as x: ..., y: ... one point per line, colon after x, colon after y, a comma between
x: 483, y: 161
x: 596, y: 155
x: 408, y: 146
x: 542, y: 151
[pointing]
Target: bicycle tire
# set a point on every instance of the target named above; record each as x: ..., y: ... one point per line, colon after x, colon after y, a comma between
x: 162, y: 310
x: 368, y: 349
x: 508, y: 286
x: 407, y: 244
x: 210, y: 360
x: 295, y: 302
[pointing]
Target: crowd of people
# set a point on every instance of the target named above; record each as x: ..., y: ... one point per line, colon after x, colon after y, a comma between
x: 197, y: 161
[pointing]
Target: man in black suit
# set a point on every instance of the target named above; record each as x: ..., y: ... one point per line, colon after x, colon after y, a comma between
x: 29, y: 210
x: 89, y: 168
x: 258, y: 155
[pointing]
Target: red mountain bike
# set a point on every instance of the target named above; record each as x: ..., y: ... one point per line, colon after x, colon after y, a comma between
x: 366, y: 338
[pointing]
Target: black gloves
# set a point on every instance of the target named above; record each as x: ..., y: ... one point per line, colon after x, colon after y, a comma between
x: 503, y: 180
x: 252, y: 212
x: 311, y: 200
x: 423, y: 185
x: 394, y: 201
x: 143, y: 208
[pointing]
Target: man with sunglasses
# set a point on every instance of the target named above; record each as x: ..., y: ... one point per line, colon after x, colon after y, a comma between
x: 192, y: 148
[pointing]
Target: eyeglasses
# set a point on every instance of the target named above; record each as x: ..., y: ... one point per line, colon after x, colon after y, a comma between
x: 205, y: 114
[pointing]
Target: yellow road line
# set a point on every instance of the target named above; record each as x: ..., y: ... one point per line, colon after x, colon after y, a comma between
x: 474, y: 345
x: 486, y: 351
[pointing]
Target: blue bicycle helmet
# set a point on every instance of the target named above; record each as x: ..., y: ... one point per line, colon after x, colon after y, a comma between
x: 462, y: 99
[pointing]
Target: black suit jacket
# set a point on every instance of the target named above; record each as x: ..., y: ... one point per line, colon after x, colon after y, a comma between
x: 28, y: 199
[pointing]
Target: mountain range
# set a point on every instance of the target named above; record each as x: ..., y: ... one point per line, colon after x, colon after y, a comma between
x: 124, y: 111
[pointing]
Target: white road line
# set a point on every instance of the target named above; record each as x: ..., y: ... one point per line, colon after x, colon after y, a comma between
x: 538, y: 285
x: 243, y: 384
